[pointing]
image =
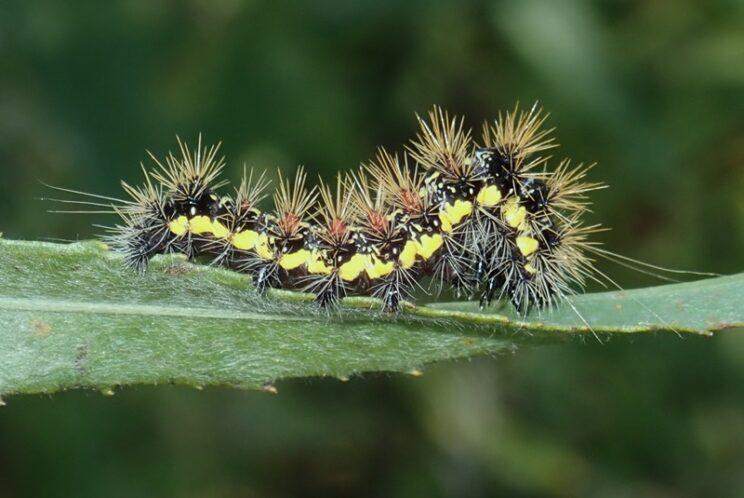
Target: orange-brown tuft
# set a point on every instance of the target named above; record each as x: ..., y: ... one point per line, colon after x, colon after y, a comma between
x: 337, y: 228
x: 411, y: 201
x: 289, y: 223
x: 377, y: 221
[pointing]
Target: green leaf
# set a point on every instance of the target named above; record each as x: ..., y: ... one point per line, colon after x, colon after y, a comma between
x: 71, y: 316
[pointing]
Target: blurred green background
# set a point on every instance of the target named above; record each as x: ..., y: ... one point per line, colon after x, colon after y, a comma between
x: 652, y: 91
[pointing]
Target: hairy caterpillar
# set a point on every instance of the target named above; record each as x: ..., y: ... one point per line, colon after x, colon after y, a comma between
x: 487, y: 217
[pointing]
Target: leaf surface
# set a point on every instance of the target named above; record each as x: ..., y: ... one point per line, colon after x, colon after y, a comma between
x: 72, y: 316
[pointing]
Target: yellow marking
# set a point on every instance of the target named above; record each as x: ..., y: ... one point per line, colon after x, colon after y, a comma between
x: 489, y: 196
x: 445, y: 221
x: 179, y: 226
x: 245, y: 240
x: 378, y: 268
x: 350, y: 270
x: 262, y: 247
x: 527, y: 245
x: 457, y: 211
x: 427, y: 245
x: 317, y: 265
x: 407, y: 256
x: 530, y: 269
x: 293, y: 260
x: 219, y: 230
x: 200, y: 224
x: 513, y: 213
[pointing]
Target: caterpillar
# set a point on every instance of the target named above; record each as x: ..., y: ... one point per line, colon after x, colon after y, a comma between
x: 486, y: 217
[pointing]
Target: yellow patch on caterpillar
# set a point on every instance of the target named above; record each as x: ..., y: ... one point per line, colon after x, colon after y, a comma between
x: 489, y: 196
x: 351, y: 270
x: 378, y: 268
x: 317, y: 265
x: 245, y: 240
x: 427, y: 245
x: 179, y: 226
x: 407, y: 256
x: 293, y: 260
x: 197, y: 225
x: 513, y: 213
x: 219, y: 230
x: 200, y: 224
x: 454, y: 213
x: 530, y: 269
x: 445, y: 222
x: 262, y: 247
x: 527, y: 245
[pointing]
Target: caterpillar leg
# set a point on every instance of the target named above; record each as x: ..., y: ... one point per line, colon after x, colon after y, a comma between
x: 265, y: 276
x: 492, y: 288
x: 328, y: 289
x: 394, y: 288
x: 390, y: 294
x: 391, y: 302
x: 327, y: 298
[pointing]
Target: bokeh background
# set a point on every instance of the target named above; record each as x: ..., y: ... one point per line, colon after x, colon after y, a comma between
x: 652, y: 91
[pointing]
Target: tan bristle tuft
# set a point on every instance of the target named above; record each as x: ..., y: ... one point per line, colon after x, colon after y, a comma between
x: 335, y: 213
x: 519, y: 134
x: 402, y: 185
x: 197, y: 169
x: 144, y: 198
x: 292, y: 201
x: 251, y: 190
x: 572, y: 265
x: 567, y: 189
x: 369, y: 203
x: 443, y: 144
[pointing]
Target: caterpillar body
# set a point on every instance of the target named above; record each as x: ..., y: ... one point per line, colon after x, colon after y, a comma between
x: 488, y: 218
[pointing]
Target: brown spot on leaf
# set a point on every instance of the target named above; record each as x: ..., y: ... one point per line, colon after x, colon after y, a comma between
x: 177, y: 269
x: 41, y: 329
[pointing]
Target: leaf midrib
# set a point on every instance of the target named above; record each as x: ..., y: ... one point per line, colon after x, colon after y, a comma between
x: 86, y: 307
